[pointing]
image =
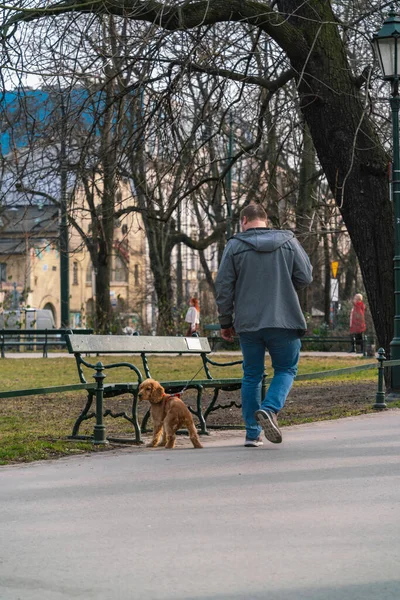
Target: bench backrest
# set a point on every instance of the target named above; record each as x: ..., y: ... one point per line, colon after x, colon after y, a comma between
x: 131, y: 344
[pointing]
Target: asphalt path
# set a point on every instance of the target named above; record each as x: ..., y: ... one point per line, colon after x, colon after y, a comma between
x: 315, y: 518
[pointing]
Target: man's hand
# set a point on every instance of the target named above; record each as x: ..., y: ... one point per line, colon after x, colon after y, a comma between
x: 227, y: 334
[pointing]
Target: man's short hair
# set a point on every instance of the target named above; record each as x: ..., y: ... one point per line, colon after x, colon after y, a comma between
x: 254, y: 212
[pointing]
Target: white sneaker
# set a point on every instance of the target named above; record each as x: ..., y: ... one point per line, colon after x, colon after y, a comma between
x: 253, y: 443
x: 269, y: 422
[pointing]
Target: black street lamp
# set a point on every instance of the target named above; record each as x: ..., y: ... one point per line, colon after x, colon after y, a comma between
x: 386, y: 43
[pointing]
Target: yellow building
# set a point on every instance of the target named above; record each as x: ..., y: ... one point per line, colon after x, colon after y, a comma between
x: 29, y: 257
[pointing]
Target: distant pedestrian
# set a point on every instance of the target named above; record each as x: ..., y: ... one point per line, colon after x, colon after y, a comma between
x: 193, y: 317
x: 128, y: 330
x: 260, y: 271
x: 357, y: 323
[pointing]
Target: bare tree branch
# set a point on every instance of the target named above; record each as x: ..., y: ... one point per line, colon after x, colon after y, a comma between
x: 175, y: 18
x: 242, y: 78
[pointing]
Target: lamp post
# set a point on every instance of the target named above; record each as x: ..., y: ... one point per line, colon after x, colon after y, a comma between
x: 386, y: 43
x: 64, y: 257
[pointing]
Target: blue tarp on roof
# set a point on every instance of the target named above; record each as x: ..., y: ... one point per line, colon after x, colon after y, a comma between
x: 25, y: 111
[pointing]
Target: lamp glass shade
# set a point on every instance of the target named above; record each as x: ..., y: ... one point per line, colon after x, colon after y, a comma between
x: 386, y: 50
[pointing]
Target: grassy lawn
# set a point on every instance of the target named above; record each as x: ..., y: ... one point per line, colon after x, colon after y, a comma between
x: 35, y: 372
x: 35, y: 427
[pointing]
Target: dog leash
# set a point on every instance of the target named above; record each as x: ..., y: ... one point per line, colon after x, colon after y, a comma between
x: 189, y: 382
x: 169, y: 396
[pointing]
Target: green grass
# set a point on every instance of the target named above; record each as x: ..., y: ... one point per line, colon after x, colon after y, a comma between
x: 35, y: 372
x: 36, y: 427
x: 25, y: 436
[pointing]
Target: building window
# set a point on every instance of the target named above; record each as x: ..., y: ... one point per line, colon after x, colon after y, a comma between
x: 90, y: 307
x: 119, y: 271
x: 3, y: 271
x: 124, y: 229
x: 136, y: 274
x: 75, y: 274
x: 89, y: 274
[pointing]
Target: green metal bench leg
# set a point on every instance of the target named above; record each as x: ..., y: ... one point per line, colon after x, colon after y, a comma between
x: 199, y: 412
x: 145, y: 420
x: 99, y: 431
x: 138, y: 437
x: 380, y: 403
x: 84, y: 416
x: 210, y: 407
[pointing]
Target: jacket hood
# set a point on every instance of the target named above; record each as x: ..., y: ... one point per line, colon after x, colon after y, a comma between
x: 264, y: 240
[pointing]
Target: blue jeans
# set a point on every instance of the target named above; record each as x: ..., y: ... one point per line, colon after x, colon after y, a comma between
x: 284, y: 348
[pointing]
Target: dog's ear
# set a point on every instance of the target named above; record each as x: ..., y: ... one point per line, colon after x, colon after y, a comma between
x: 158, y: 391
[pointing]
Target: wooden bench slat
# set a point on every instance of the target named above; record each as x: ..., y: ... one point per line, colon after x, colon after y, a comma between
x: 117, y: 344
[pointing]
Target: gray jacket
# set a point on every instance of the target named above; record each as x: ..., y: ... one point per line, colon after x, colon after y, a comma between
x: 260, y: 271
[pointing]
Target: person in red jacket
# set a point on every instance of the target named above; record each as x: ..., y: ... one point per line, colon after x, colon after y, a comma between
x: 357, y: 322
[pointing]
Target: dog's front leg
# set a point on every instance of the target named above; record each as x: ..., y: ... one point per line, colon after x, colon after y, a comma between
x: 156, y: 436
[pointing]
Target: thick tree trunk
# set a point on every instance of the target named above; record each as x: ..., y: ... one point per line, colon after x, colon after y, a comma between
x: 103, y: 303
x: 160, y: 250
x: 305, y: 207
x: 272, y: 162
x: 207, y: 272
x: 350, y: 280
x: 349, y: 151
x: 106, y: 225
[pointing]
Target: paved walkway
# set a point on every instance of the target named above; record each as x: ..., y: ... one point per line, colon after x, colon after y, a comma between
x: 315, y: 518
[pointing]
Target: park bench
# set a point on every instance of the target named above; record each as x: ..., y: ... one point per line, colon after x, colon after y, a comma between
x: 142, y: 346
x: 35, y: 339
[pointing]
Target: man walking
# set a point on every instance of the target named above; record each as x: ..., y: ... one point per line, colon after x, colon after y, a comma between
x: 260, y: 271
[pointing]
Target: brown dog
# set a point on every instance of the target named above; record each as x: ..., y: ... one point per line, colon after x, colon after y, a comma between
x: 168, y: 413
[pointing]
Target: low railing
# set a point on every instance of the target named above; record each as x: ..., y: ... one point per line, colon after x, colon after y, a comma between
x: 35, y: 338
x: 325, y: 343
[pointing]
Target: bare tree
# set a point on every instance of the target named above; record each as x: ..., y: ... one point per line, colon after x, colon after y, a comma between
x: 318, y: 47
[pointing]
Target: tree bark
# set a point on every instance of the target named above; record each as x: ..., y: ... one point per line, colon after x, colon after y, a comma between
x: 349, y: 151
x: 305, y: 207
x: 350, y: 279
